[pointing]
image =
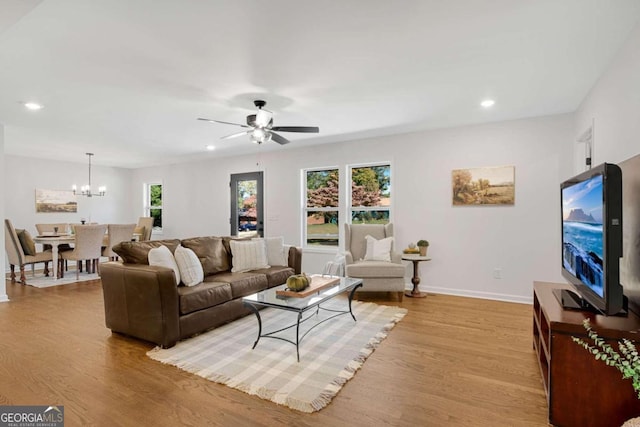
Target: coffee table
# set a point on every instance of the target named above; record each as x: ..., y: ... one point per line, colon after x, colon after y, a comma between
x: 269, y: 298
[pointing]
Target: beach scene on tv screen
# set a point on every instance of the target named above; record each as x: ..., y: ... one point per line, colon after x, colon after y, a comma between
x: 582, y: 232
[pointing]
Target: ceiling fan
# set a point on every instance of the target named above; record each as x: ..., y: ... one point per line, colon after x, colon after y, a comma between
x: 260, y: 126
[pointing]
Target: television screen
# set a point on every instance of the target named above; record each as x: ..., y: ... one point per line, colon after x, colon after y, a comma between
x: 592, y: 240
x: 582, y: 232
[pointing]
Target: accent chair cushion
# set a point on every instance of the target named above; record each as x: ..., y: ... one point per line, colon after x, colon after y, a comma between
x: 162, y: 257
x: 248, y: 255
x: 191, y: 272
x: 27, y: 243
x: 378, y: 250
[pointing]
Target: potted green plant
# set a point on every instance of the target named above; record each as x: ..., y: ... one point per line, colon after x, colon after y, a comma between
x: 423, y: 245
x: 627, y: 361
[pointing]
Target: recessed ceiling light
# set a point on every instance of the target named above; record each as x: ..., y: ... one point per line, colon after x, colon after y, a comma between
x: 32, y: 106
x: 487, y: 103
x: 210, y: 147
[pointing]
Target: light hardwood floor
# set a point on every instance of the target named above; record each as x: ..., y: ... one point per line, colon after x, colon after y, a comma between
x: 452, y: 361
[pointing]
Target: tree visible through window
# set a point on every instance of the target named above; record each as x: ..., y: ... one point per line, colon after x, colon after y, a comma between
x: 153, y: 206
x: 321, y: 207
x: 370, y: 194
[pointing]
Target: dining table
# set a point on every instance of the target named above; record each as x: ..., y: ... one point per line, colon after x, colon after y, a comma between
x: 55, y: 240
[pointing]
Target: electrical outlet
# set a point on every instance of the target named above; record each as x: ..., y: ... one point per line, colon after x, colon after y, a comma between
x: 497, y: 273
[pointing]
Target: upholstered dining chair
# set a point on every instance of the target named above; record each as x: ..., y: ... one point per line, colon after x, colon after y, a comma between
x: 87, y: 247
x: 117, y: 233
x: 44, y: 229
x: 17, y: 256
x: 380, y: 270
x: 145, y: 226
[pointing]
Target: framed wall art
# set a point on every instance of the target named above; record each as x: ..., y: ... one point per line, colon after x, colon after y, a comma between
x: 483, y: 186
x: 55, y: 201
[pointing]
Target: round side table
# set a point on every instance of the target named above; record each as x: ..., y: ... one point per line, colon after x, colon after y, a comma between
x: 415, y: 292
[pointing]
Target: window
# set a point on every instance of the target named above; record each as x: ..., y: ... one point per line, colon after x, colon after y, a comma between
x: 370, y: 194
x: 321, y: 209
x: 153, y: 204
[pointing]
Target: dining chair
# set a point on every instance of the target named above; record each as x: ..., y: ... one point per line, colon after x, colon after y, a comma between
x: 17, y: 256
x: 87, y: 247
x: 44, y: 229
x: 117, y: 233
x: 145, y: 226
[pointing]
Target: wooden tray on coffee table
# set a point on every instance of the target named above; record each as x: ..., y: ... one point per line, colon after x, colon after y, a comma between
x: 318, y: 283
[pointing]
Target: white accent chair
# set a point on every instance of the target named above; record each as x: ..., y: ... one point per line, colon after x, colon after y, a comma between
x: 117, y: 233
x: 16, y: 254
x: 87, y: 246
x: 377, y: 276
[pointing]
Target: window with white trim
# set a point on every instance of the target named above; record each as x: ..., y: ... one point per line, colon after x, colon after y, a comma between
x: 321, y: 207
x: 370, y: 198
x: 153, y: 204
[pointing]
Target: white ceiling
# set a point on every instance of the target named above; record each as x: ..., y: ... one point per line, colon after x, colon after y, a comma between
x: 126, y: 79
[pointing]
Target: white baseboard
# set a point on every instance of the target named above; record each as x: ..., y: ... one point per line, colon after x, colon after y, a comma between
x: 476, y: 294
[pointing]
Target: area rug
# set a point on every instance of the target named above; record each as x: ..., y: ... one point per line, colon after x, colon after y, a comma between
x: 330, y: 354
x: 40, y: 281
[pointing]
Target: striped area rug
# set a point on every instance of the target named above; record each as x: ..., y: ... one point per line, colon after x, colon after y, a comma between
x: 329, y: 355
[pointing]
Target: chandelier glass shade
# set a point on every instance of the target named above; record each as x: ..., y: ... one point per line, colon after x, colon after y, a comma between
x: 85, y: 190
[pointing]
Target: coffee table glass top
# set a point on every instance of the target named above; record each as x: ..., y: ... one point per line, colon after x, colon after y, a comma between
x: 269, y: 298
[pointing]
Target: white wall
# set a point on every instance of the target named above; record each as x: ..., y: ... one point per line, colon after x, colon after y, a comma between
x: 467, y: 243
x: 614, y: 106
x: 3, y: 191
x: 25, y: 175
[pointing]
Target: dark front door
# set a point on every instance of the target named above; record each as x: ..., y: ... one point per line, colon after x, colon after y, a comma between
x: 247, y: 219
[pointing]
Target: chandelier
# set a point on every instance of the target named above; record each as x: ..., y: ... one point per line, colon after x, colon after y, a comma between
x: 85, y: 190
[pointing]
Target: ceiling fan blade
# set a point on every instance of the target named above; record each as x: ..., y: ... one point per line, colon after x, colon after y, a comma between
x: 263, y: 117
x: 237, y: 134
x: 304, y: 129
x: 224, y: 123
x: 279, y: 139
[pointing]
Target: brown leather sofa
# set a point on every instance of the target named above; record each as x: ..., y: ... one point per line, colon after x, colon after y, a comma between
x: 145, y: 302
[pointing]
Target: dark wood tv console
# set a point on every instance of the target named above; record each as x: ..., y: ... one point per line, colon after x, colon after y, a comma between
x: 581, y: 391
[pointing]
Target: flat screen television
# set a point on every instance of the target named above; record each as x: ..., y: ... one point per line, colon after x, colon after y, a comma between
x: 592, y: 240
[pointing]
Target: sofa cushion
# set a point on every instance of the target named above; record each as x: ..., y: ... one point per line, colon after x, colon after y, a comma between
x: 203, y: 295
x: 191, y: 272
x: 162, y: 257
x: 211, y: 253
x: 363, y: 269
x: 242, y: 284
x: 276, y: 275
x: 138, y: 252
x: 26, y: 241
x: 248, y: 255
x: 276, y: 254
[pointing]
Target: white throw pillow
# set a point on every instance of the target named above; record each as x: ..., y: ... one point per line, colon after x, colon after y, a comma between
x: 162, y: 257
x: 276, y: 254
x: 378, y: 250
x: 191, y: 271
x: 248, y: 255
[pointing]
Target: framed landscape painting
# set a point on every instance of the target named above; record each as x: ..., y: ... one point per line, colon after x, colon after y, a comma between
x: 48, y: 201
x: 483, y: 186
